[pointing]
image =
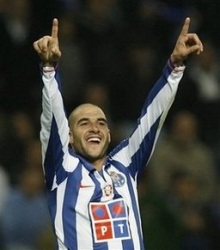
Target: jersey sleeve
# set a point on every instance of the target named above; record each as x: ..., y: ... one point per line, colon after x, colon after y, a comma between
x: 135, y: 152
x: 54, y: 132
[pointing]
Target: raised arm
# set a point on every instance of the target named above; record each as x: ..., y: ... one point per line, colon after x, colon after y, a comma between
x: 138, y: 149
x: 54, y: 132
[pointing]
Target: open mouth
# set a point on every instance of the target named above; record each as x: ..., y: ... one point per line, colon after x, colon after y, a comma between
x: 95, y: 140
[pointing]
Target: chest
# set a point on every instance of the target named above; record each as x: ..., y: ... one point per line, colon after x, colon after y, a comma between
x: 104, y: 185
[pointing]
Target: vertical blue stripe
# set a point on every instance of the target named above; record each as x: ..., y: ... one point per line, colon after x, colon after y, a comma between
x: 69, y: 204
x: 162, y: 81
x: 57, y: 77
x: 54, y: 158
x: 141, y: 157
x: 136, y: 211
x: 52, y: 201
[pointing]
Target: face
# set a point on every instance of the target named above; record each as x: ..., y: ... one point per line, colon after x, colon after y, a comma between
x: 89, y: 132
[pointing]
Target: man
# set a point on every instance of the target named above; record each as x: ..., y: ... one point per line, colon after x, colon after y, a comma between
x: 92, y: 196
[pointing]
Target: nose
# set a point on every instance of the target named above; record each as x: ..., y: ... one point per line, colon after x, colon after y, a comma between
x: 94, y: 127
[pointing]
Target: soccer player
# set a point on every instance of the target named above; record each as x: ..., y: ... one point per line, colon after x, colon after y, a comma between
x: 93, y: 196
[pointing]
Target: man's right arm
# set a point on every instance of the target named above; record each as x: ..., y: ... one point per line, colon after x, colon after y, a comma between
x: 54, y: 133
x: 54, y: 124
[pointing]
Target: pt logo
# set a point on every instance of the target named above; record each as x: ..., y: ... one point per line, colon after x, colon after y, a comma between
x: 109, y: 220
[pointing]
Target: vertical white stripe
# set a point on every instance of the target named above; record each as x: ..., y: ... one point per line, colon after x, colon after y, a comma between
x: 115, y: 244
x: 83, y: 226
x: 103, y: 184
x: 70, y: 162
x: 132, y: 219
x: 45, y: 131
x: 59, y: 215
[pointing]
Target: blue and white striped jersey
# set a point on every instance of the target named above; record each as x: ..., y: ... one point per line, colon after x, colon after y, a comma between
x: 91, y: 209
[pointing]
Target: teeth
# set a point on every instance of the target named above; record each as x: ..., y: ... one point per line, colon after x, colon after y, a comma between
x: 93, y: 140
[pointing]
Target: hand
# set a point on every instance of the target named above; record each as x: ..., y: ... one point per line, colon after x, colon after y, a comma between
x: 187, y: 43
x: 47, y: 47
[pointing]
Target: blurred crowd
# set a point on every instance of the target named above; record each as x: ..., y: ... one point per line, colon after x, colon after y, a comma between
x: 113, y: 51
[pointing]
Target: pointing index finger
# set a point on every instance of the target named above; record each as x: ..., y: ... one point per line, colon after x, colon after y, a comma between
x: 185, y: 28
x: 54, y: 31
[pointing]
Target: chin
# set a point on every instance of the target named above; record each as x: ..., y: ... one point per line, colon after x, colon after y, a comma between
x: 94, y: 157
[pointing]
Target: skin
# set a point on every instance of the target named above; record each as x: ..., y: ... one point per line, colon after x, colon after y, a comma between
x: 89, y: 132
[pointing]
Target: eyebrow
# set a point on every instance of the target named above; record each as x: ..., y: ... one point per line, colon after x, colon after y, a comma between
x: 87, y: 119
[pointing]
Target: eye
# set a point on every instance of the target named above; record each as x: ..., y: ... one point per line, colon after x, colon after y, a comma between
x: 102, y: 123
x: 84, y: 123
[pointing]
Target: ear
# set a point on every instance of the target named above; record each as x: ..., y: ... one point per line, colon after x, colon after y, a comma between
x: 71, y: 140
x: 109, y: 136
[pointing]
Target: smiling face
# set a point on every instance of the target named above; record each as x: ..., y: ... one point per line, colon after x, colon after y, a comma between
x: 89, y: 132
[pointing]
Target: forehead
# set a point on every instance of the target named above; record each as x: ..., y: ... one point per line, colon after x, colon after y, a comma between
x: 87, y: 111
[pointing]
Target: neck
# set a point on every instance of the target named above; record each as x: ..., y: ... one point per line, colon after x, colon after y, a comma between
x: 98, y: 164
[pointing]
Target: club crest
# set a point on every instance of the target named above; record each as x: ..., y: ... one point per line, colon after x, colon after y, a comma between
x: 117, y: 178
